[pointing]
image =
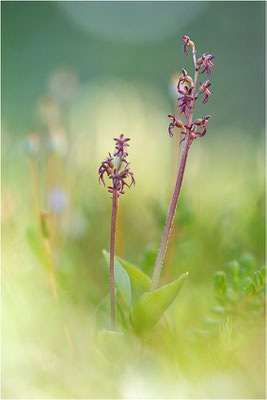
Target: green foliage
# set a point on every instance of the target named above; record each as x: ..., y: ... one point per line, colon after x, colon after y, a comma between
x: 102, y: 316
x: 240, y: 292
x: 152, y: 305
x: 220, y: 282
x: 223, y: 351
x: 242, y: 288
x: 149, y: 258
x: 122, y: 280
x: 146, y: 306
x: 140, y: 282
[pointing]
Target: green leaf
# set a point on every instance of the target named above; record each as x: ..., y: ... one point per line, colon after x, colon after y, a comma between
x: 263, y: 273
x: 233, y: 268
x: 248, y: 264
x: 151, y: 305
x: 102, y: 317
x: 220, y: 282
x: 140, y: 282
x: 258, y: 278
x: 122, y: 280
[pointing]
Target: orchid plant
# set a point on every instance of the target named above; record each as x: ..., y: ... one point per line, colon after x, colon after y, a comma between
x: 142, y: 302
x: 117, y: 170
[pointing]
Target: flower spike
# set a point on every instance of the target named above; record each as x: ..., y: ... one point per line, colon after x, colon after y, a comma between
x: 191, y: 131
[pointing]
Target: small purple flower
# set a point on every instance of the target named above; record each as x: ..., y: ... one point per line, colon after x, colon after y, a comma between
x: 204, y: 88
x: 106, y: 167
x: 188, y: 42
x: 173, y: 123
x: 185, y: 78
x: 117, y: 173
x: 201, y: 123
x: 205, y: 61
x: 185, y: 100
x: 119, y: 181
x: 121, y: 143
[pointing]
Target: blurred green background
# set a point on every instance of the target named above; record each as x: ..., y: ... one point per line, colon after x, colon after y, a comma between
x: 74, y: 76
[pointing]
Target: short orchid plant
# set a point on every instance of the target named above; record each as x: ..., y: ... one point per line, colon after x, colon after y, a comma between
x: 140, y: 300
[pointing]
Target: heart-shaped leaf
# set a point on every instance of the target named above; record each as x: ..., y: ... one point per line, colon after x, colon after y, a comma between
x: 151, y: 305
x: 122, y: 280
x: 140, y: 282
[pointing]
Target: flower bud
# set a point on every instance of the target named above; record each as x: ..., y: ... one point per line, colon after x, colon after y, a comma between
x: 179, y: 124
x: 191, y: 44
x: 188, y: 79
x: 198, y: 122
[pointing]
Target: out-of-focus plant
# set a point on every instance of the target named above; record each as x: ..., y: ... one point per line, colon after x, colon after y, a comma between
x: 42, y: 236
x: 239, y: 293
x: 241, y: 290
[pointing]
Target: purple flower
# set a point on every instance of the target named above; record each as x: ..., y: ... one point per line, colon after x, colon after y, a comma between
x: 205, y: 61
x: 185, y: 100
x: 121, y: 143
x: 119, y: 181
x: 204, y: 88
x: 173, y: 123
x: 185, y: 78
x: 106, y: 167
x: 117, y: 173
x: 201, y: 123
x: 188, y: 42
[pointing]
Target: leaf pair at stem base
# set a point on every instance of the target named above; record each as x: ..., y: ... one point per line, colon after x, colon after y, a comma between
x: 145, y: 307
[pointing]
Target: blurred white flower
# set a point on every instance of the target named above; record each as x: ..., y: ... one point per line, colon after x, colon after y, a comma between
x: 58, y: 199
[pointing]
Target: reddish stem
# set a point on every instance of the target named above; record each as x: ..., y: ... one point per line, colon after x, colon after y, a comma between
x: 111, y: 263
x: 177, y: 189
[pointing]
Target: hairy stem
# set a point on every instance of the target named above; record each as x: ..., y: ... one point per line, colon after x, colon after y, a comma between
x: 177, y: 189
x: 111, y: 263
